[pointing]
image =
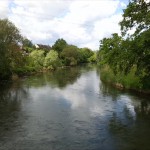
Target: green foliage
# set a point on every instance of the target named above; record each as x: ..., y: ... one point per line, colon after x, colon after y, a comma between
x: 85, y: 54
x: 9, y: 47
x: 24, y: 70
x: 59, y: 45
x: 37, y: 59
x: 123, y: 54
x: 51, y: 60
x: 28, y: 49
x: 136, y: 15
x: 107, y: 74
x: 93, y: 58
x: 70, y: 55
x: 18, y: 54
x: 27, y: 43
x: 110, y: 52
x: 129, y: 81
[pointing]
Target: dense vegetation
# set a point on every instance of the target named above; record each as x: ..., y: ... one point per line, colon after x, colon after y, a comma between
x: 125, y: 59
x: 18, y: 55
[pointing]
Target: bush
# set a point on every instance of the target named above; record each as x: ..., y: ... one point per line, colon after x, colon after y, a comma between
x: 51, y: 60
x: 37, y: 59
x: 129, y: 81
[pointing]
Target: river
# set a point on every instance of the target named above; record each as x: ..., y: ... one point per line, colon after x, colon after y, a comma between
x: 71, y: 109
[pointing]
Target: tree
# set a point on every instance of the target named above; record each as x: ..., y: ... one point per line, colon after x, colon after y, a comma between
x: 70, y: 55
x: 27, y: 43
x: 130, y: 52
x: 137, y: 16
x: 93, y: 58
x: 10, y: 40
x: 51, y: 60
x: 85, y: 54
x: 37, y: 59
x: 111, y: 52
x: 59, y: 45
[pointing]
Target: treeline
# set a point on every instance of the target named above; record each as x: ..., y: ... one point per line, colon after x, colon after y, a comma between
x: 18, y: 55
x: 125, y: 59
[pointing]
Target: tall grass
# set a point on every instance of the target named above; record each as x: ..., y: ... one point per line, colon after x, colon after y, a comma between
x: 129, y: 81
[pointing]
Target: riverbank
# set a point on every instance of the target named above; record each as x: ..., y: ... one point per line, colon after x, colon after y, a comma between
x: 123, y: 82
x: 28, y: 72
x: 21, y: 74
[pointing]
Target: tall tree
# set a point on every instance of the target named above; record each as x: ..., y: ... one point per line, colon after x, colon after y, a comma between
x: 70, y: 55
x: 123, y: 54
x: 59, y: 45
x: 51, y: 59
x: 111, y: 52
x: 10, y: 39
x: 85, y: 54
x: 137, y: 17
x: 27, y: 43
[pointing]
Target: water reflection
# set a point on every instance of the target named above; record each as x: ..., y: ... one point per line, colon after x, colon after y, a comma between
x: 59, y: 78
x: 143, y: 109
x: 72, y: 109
x: 130, y: 119
x: 11, y: 96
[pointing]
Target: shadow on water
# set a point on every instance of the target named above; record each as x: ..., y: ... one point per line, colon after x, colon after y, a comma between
x: 59, y: 78
x: 11, y: 96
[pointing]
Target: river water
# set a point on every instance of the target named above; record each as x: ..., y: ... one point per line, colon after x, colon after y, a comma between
x: 71, y: 109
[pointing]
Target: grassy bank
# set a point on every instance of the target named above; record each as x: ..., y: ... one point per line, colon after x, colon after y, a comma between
x: 129, y: 81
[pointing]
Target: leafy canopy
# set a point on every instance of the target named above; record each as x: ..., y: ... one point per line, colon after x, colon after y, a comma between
x: 136, y: 16
x: 124, y: 53
x: 70, y: 55
x: 51, y: 59
x: 37, y: 58
x: 10, y: 40
x: 59, y: 45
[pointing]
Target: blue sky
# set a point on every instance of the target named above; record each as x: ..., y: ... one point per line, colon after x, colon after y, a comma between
x: 79, y: 22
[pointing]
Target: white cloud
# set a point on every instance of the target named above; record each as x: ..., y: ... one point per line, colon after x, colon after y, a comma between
x: 82, y: 23
x: 107, y: 26
x: 4, y: 8
x: 86, y: 11
x: 123, y: 4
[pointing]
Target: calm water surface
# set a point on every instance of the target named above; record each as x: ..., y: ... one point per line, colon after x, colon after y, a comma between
x: 71, y: 109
